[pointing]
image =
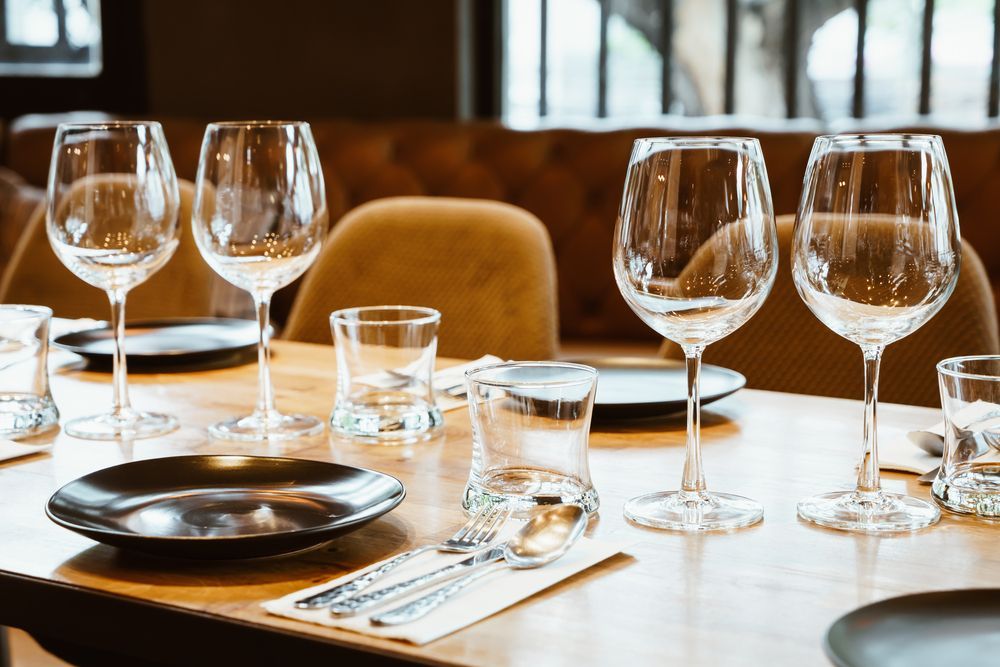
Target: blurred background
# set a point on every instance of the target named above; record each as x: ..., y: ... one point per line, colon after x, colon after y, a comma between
x: 527, y: 62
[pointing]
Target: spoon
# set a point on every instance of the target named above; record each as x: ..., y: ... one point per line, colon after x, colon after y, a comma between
x: 545, y: 538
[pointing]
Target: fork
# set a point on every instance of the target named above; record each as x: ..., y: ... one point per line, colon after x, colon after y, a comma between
x: 477, y: 533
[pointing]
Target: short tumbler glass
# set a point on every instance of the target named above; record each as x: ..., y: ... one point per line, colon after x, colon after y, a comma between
x: 385, y: 371
x: 968, y: 480
x: 26, y: 405
x: 530, y: 428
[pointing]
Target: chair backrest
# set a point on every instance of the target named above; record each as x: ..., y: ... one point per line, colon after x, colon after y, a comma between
x: 784, y: 347
x: 185, y: 287
x: 487, y: 266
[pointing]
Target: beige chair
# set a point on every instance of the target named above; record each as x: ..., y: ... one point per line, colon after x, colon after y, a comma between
x: 487, y: 266
x: 184, y: 287
x: 785, y: 348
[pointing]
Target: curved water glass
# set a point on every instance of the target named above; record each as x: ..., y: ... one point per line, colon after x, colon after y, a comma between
x: 112, y: 220
x: 259, y: 220
x: 695, y: 256
x: 875, y: 255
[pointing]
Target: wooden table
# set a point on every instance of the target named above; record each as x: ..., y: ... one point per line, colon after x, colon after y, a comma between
x: 763, y: 595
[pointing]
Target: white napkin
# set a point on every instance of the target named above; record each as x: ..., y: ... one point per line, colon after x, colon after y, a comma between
x: 60, y: 326
x: 901, y: 452
x: 454, y: 376
x: 12, y: 450
x: 481, y: 599
x: 451, y: 378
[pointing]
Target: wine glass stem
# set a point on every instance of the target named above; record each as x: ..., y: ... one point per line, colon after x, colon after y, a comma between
x: 868, y: 477
x: 694, y: 476
x: 119, y: 371
x: 265, y: 392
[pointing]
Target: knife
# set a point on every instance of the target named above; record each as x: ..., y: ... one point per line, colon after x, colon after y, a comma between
x: 359, y: 603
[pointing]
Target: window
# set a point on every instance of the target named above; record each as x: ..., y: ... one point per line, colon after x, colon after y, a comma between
x: 635, y: 60
x: 50, y: 38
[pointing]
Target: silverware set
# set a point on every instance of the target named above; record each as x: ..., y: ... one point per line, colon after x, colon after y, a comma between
x: 477, y: 533
x: 546, y: 537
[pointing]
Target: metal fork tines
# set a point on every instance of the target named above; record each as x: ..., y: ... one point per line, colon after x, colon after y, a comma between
x: 476, y: 534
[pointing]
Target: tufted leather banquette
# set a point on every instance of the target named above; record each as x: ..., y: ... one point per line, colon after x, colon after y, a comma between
x: 570, y: 179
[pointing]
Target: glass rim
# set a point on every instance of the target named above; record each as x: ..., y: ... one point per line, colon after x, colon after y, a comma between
x: 706, y: 141
x: 862, y: 137
x: 27, y: 308
x: 252, y: 124
x: 590, y: 371
x: 943, y: 369
x: 348, y: 315
x: 108, y: 125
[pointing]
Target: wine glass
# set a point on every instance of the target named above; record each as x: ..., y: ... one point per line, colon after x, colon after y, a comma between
x: 111, y: 219
x: 259, y: 220
x: 876, y: 254
x: 695, y: 256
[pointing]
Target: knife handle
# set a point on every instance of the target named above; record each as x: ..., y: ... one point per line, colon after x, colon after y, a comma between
x: 357, y: 604
x: 357, y: 584
x: 422, y: 606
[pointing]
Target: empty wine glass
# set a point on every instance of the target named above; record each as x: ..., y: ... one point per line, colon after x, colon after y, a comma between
x: 112, y: 220
x: 695, y: 256
x: 876, y: 254
x: 259, y: 220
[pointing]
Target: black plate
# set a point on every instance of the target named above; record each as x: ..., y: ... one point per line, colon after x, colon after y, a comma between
x: 223, y: 506
x: 933, y: 629
x: 174, y: 344
x: 633, y: 387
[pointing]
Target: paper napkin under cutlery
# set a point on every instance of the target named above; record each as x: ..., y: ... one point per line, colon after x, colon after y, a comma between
x: 901, y: 452
x: 446, y: 380
x: 12, y: 450
x: 481, y: 599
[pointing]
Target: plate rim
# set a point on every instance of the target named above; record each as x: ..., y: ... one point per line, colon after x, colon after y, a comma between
x: 59, y: 341
x: 840, y: 662
x: 305, y: 532
x: 653, y: 362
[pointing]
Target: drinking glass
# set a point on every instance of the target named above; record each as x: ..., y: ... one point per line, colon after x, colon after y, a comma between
x: 112, y: 220
x: 695, y: 256
x: 875, y: 254
x: 259, y: 219
x: 26, y: 405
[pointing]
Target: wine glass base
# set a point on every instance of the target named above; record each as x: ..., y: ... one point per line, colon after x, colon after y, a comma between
x: 687, y: 511
x: 875, y: 512
x: 131, y: 426
x: 273, y: 427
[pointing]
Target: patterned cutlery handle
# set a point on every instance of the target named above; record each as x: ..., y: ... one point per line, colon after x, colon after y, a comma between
x: 358, y: 584
x: 422, y: 606
x: 355, y: 605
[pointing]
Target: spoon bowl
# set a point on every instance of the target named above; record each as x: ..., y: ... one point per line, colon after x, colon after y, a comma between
x: 548, y: 535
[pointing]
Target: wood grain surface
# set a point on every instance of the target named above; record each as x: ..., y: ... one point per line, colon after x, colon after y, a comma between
x: 764, y: 595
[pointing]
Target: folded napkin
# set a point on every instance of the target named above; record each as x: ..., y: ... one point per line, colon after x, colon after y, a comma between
x: 449, y: 383
x: 483, y: 598
x: 61, y: 326
x: 12, y: 450
x: 902, y: 453
x: 454, y: 376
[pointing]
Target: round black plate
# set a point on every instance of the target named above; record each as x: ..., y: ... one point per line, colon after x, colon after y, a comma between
x: 633, y: 387
x: 174, y: 344
x: 223, y: 506
x: 933, y: 629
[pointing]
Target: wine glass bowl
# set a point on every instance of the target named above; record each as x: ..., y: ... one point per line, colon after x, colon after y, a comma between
x: 695, y: 256
x: 259, y: 219
x: 876, y: 254
x: 111, y: 219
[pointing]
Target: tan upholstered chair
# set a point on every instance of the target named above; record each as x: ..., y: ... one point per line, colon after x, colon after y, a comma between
x: 487, y: 266
x: 785, y: 348
x: 182, y: 288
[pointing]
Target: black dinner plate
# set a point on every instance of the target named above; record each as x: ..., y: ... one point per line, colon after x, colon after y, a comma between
x: 218, y: 507
x: 960, y: 627
x: 634, y: 387
x: 172, y: 344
